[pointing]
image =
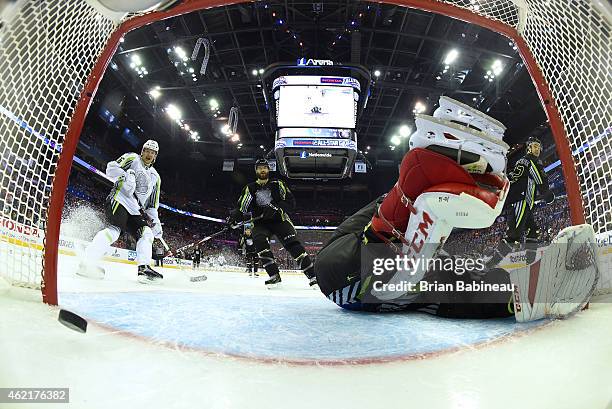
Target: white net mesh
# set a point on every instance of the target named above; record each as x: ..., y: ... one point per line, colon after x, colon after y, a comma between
x: 48, y: 49
x: 571, y: 42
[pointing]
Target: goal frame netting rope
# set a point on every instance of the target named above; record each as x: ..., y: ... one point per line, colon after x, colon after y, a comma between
x: 53, y: 57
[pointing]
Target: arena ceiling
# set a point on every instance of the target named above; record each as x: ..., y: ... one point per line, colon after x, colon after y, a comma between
x: 152, y: 69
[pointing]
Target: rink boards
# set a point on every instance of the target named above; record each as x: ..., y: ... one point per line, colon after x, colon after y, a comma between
x: 19, y: 242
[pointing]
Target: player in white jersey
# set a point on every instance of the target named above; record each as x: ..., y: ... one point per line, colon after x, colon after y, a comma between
x: 221, y: 260
x: 137, y: 186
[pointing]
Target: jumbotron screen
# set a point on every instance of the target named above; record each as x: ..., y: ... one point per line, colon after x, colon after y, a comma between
x: 316, y: 106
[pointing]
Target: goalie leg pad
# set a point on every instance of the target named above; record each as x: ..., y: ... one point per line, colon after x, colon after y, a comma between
x: 562, y: 281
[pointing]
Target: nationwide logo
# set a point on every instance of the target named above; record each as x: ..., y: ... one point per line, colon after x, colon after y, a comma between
x: 303, y: 142
x: 319, y: 155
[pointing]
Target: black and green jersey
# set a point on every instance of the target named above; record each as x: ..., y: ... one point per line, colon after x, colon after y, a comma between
x: 255, y: 197
x: 527, y: 180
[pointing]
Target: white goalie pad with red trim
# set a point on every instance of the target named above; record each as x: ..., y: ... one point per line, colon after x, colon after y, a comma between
x: 562, y: 281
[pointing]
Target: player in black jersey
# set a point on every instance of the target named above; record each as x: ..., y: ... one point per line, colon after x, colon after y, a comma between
x: 269, y: 202
x: 528, y: 180
x: 247, y: 247
x: 196, y: 257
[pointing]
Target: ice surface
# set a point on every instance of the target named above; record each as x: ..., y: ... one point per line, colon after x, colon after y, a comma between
x: 176, y: 346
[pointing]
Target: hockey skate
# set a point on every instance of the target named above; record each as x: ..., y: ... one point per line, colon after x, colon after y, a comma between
x: 146, y: 275
x: 273, y: 282
x: 90, y: 271
x: 497, y: 254
x: 312, y: 282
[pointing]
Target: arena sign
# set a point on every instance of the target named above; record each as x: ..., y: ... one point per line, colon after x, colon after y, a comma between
x: 311, y: 61
x: 314, y: 113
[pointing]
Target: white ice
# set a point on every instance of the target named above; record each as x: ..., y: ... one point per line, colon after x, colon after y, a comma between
x: 565, y: 364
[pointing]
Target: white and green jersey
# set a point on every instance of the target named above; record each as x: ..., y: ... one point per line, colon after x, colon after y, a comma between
x: 148, y: 185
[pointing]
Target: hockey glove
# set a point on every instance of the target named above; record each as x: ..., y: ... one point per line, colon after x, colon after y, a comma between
x: 271, y: 212
x: 129, y: 182
x: 158, y: 232
x: 234, y: 218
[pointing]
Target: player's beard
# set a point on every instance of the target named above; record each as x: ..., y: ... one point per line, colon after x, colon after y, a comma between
x: 263, y: 175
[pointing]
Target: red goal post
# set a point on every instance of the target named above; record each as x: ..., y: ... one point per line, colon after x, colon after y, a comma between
x: 548, y: 35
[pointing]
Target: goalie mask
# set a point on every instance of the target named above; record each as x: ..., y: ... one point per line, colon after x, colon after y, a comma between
x: 464, y: 134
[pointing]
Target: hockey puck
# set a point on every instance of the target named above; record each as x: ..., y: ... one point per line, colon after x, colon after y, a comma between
x: 72, y: 321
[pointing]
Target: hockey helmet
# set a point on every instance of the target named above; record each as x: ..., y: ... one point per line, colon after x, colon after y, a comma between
x: 261, y: 162
x: 152, y: 145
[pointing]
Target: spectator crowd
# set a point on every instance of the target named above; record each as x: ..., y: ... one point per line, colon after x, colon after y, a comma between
x: 181, y: 230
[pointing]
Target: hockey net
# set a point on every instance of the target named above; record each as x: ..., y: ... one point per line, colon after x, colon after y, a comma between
x: 52, y: 55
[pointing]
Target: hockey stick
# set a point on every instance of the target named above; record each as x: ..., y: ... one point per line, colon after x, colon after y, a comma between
x: 212, y: 236
x: 193, y: 279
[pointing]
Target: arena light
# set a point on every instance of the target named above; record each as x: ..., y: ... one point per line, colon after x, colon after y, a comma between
x: 451, y: 57
x: 225, y: 129
x: 261, y: 70
x: 155, y: 92
x: 377, y: 73
x: 497, y: 67
x: 395, y: 140
x: 419, y: 108
x: 173, y: 112
x: 235, y: 138
x: 254, y: 72
x: 404, y: 131
x: 180, y: 53
x: 214, y: 105
x: 368, y: 147
x: 262, y: 147
x: 136, y: 60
